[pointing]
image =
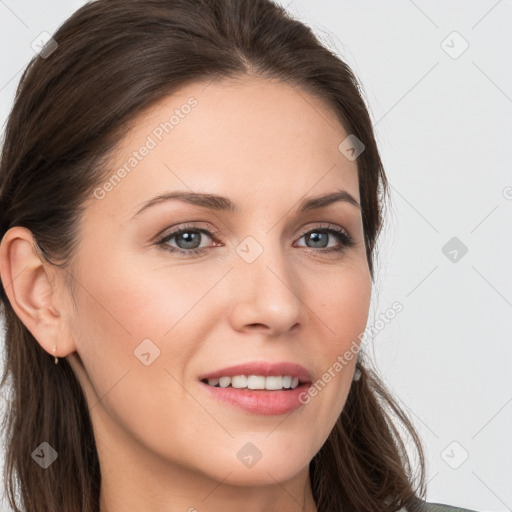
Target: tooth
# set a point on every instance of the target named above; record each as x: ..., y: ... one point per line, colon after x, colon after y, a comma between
x: 287, y: 381
x: 224, y: 382
x: 239, y: 381
x: 256, y: 382
x: 273, y: 382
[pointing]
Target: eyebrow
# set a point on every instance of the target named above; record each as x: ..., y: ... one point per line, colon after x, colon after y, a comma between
x: 220, y: 203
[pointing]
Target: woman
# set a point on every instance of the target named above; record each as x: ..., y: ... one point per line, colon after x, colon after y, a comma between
x: 191, y: 195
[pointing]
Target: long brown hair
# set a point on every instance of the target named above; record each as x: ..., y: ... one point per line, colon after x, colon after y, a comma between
x: 73, y: 105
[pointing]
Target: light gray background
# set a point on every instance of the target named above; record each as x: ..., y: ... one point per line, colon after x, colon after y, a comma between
x: 444, y: 127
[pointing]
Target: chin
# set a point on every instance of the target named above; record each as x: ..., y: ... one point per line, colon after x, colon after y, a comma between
x: 262, y: 474
x: 250, y: 466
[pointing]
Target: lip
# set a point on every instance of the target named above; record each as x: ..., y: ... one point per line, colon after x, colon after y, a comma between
x: 259, y: 401
x: 263, y: 368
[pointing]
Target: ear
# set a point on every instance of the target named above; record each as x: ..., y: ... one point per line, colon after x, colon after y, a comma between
x: 28, y: 283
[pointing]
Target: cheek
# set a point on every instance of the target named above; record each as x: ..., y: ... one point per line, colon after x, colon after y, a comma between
x: 130, y: 313
x: 115, y: 314
x: 342, y: 303
x: 124, y: 299
x: 124, y: 315
x: 342, y: 306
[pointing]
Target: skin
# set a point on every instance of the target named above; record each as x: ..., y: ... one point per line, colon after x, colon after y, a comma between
x: 163, y: 443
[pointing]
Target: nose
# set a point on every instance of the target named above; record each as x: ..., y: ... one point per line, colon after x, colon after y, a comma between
x: 266, y: 294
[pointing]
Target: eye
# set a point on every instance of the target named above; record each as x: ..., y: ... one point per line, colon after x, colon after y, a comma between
x: 188, y: 239
x: 319, y: 236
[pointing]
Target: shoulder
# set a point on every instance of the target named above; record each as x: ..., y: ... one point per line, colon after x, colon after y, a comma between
x: 424, y: 506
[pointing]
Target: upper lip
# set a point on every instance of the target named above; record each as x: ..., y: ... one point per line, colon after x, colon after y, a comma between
x: 264, y: 368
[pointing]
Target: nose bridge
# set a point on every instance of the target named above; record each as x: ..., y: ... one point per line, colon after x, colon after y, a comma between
x: 267, y: 291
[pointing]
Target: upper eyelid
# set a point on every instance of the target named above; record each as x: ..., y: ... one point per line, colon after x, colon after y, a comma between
x: 214, y: 233
x: 340, y: 232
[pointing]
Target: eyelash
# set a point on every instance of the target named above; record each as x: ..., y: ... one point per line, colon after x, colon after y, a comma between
x: 343, y: 235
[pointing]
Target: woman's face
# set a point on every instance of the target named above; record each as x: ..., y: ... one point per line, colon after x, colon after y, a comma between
x: 268, y: 285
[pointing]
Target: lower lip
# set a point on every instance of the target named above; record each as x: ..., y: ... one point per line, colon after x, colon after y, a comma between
x: 260, y: 401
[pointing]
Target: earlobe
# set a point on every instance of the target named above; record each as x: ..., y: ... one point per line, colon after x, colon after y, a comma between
x: 26, y: 278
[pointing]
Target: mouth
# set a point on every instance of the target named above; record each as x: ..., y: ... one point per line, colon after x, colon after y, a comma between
x: 259, y: 375
x: 256, y: 382
x: 257, y: 394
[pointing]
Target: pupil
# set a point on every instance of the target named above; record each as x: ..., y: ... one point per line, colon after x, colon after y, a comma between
x: 189, y: 239
x: 315, y: 235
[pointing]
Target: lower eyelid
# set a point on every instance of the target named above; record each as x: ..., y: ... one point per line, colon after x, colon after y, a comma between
x: 167, y: 238
x: 343, y: 236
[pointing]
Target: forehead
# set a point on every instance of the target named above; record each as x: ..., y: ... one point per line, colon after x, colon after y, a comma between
x: 252, y: 139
